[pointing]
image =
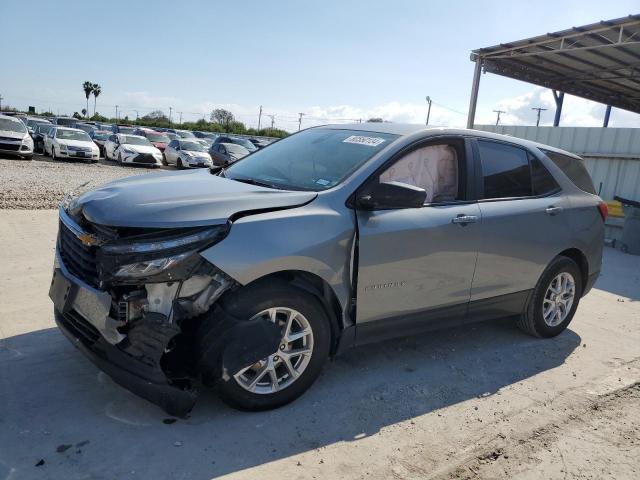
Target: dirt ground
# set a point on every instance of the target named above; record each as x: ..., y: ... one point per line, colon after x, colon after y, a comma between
x: 482, y: 401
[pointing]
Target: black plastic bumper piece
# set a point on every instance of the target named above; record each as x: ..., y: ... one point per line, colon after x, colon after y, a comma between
x: 145, y: 381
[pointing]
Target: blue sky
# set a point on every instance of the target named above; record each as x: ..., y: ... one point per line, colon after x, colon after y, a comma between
x: 329, y: 59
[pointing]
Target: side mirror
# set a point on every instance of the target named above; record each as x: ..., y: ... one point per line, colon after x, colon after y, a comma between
x: 391, y: 195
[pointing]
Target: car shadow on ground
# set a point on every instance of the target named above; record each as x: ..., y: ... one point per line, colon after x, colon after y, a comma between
x: 50, y: 395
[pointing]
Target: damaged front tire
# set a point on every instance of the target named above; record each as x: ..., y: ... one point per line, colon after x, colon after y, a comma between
x: 291, y: 368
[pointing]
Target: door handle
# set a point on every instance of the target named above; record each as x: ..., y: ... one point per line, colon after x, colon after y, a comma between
x: 552, y: 210
x: 463, y: 219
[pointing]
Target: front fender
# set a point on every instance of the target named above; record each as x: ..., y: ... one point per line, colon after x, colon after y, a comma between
x: 313, y: 238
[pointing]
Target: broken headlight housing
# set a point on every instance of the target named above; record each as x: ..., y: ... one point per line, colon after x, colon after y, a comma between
x: 169, y: 257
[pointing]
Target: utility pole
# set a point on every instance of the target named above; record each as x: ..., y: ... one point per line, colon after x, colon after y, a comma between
x: 273, y: 119
x: 539, y: 109
x: 180, y: 117
x: 1, y: 98
x: 116, y: 113
x: 498, y: 117
x: 137, y: 116
x: 259, y: 117
x: 300, y: 120
x: 170, y: 110
x: 429, y: 109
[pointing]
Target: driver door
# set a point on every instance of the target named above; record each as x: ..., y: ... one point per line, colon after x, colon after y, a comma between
x: 416, y: 265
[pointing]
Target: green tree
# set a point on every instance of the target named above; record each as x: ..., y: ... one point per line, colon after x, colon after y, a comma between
x: 375, y: 120
x: 77, y: 115
x: 222, y: 117
x: 96, y: 90
x: 88, y: 89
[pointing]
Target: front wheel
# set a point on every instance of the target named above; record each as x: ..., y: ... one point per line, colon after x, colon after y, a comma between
x: 304, y: 347
x: 554, y: 300
x: 179, y: 165
x: 53, y: 153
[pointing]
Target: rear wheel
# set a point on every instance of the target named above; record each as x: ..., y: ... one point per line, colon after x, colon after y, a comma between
x: 554, y: 300
x: 289, y: 371
x: 179, y: 164
x: 53, y: 152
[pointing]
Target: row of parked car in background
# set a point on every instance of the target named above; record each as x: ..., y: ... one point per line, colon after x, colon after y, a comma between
x: 68, y: 137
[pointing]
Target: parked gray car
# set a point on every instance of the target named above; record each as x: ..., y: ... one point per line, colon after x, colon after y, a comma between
x: 252, y: 276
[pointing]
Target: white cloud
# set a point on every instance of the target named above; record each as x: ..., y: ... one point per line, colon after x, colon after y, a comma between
x: 576, y: 112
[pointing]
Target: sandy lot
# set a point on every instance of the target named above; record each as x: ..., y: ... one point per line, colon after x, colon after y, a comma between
x: 484, y: 401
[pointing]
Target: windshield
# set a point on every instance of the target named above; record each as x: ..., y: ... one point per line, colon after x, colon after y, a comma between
x: 172, y: 136
x: 35, y: 123
x: 125, y: 129
x: 66, y: 121
x: 72, y: 135
x: 245, y: 143
x: 101, y: 135
x: 11, y: 125
x: 192, y: 146
x: 158, y: 138
x: 185, y: 134
x: 131, y: 140
x: 237, y: 150
x: 314, y: 159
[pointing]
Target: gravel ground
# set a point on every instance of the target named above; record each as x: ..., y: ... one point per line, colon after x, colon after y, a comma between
x: 42, y: 183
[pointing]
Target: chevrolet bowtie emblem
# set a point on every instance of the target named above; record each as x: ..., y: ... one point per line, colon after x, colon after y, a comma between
x: 88, y: 239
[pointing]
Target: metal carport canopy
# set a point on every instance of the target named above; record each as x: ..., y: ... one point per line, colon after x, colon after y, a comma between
x: 599, y: 62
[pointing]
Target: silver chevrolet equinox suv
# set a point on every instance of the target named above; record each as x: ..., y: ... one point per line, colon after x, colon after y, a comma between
x: 248, y: 278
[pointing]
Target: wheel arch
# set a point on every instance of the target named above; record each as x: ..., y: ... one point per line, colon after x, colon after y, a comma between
x: 319, y: 288
x: 581, y: 260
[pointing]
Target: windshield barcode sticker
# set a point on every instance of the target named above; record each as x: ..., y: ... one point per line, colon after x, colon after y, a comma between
x: 360, y: 140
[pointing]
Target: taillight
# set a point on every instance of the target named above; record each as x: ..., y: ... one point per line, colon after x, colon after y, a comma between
x: 604, y: 210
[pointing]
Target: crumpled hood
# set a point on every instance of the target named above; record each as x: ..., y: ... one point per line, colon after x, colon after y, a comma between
x: 180, y: 199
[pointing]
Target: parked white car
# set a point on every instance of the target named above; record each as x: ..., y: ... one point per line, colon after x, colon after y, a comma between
x: 63, y: 142
x: 132, y: 149
x: 14, y: 137
x: 187, y: 153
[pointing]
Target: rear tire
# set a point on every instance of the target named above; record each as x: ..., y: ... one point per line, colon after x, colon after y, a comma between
x: 308, y: 315
x: 53, y: 153
x: 554, y: 300
x: 179, y: 165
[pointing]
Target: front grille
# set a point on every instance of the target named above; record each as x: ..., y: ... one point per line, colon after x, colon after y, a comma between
x: 9, y: 146
x: 144, y: 158
x: 9, y: 139
x: 79, y: 259
x: 80, y: 327
x: 79, y: 149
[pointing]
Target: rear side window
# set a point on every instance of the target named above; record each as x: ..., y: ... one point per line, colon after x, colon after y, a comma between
x: 542, y: 181
x: 574, y: 169
x: 505, y: 170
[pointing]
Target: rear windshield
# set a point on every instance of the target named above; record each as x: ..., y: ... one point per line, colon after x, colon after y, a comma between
x: 314, y: 159
x: 574, y: 169
x: 158, y: 138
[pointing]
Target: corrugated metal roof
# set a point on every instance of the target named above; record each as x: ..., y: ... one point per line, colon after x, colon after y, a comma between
x: 599, y: 62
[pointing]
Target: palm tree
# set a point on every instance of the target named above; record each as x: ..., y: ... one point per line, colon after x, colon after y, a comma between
x: 88, y: 88
x: 97, y: 90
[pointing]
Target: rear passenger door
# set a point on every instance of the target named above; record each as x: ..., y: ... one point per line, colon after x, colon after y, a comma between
x: 523, y: 226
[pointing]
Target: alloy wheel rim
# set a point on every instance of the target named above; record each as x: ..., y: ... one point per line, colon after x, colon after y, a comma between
x: 558, y: 299
x: 283, y: 367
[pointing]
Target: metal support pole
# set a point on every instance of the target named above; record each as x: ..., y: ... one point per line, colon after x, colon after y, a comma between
x: 429, y: 110
x: 475, y: 86
x: 259, y: 118
x: 607, y: 114
x: 559, y: 98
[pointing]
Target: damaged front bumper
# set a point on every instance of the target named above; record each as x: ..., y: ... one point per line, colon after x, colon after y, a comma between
x: 139, y: 330
x: 82, y: 314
